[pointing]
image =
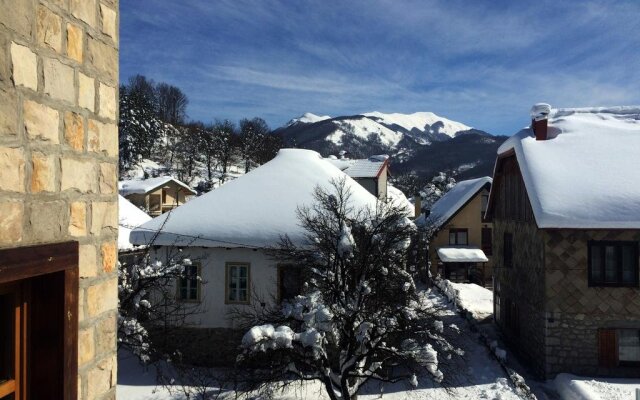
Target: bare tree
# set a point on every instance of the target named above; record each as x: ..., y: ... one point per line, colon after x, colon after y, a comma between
x: 360, y: 316
x: 172, y: 104
x: 225, y: 144
x: 252, y: 134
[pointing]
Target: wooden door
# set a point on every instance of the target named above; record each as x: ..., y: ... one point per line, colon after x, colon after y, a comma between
x: 12, y: 342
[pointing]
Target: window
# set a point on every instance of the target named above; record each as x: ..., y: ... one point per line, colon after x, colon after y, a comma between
x: 289, y: 281
x: 237, y: 283
x: 189, y: 285
x: 39, y: 322
x: 613, y: 263
x: 619, y: 347
x: 164, y: 196
x: 458, y: 237
x: 507, y: 250
x: 487, y: 241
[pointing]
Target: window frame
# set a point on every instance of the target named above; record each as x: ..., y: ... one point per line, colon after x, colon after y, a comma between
x: 457, y: 231
x: 198, y: 298
x: 227, y: 277
x: 617, y: 244
x: 622, y: 363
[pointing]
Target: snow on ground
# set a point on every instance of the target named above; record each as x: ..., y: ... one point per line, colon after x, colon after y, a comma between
x: 470, y: 297
x: 571, y: 387
x: 362, y: 128
x: 419, y: 120
x: 477, y: 375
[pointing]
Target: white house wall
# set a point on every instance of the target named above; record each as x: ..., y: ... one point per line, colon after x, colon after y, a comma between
x: 262, y: 280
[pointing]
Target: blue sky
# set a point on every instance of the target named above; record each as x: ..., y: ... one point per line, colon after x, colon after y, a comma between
x: 483, y: 63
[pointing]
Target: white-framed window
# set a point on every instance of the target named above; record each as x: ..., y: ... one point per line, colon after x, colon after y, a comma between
x: 189, y: 284
x: 237, y: 279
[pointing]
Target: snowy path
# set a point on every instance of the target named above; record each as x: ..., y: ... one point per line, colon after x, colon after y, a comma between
x: 477, y: 376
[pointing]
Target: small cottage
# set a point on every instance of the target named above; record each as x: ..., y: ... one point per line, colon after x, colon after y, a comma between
x: 157, y: 195
x: 460, y: 248
x: 372, y: 173
x: 565, y: 205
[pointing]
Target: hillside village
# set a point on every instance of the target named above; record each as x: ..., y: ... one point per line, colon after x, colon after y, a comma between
x: 149, y: 254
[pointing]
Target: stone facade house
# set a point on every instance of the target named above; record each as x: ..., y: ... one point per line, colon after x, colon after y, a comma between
x: 565, y: 207
x: 460, y: 248
x: 58, y: 198
x: 157, y: 195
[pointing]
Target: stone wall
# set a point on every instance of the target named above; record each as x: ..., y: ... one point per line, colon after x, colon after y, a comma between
x: 523, y: 284
x: 59, y: 155
x: 576, y: 311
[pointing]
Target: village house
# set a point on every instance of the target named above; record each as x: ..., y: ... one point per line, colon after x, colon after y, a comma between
x: 156, y: 195
x: 565, y: 206
x: 129, y: 218
x: 58, y: 199
x: 460, y: 248
x: 372, y: 173
x: 225, y: 234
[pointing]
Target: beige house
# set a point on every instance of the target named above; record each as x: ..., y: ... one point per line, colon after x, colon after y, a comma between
x: 564, y: 205
x: 156, y: 195
x: 58, y: 199
x: 460, y: 249
x: 371, y: 173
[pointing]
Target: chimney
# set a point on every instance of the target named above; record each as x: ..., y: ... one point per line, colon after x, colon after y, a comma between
x: 417, y: 201
x: 539, y: 116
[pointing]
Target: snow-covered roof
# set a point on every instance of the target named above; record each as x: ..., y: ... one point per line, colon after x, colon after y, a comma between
x: 461, y: 254
x: 399, y: 199
x: 142, y: 186
x: 255, y: 209
x: 361, y: 168
x: 129, y: 217
x: 585, y: 175
x: 449, y: 204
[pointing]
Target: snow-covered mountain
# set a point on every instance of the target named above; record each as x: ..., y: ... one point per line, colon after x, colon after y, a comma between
x: 416, y: 142
x: 388, y: 130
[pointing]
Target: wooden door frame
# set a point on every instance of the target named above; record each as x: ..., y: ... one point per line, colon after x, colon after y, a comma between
x: 27, y: 262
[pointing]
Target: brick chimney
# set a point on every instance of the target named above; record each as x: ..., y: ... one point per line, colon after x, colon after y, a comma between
x: 539, y: 117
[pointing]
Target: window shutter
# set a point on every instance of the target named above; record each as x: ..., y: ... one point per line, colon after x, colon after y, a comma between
x: 607, y: 348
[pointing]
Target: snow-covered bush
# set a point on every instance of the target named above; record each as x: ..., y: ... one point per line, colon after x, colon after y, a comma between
x: 359, y: 316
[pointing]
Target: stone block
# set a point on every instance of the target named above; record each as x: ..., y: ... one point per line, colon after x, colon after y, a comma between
x: 78, y: 219
x: 11, y: 214
x: 43, y: 173
x: 106, y: 335
x: 24, y: 66
x: 93, y: 136
x: 41, y: 122
x: 104, y: 215
x: 86, y: 92
x: 58, y: 80
x: 102, y: 297
x: 74, y: 130
x: 108, y: 101
x: 12, y: 167
x: 108, y: 178
x: 101, y: 378
x: 86, y: 347
x: 47, y: 220
x: 49, y: 28
x: 8, y: 113
x: 88, y: 261
x: 109, y: 254
x: 5, y: 60
x: 103, y: 57
x: 79, y: 175
x: 109, y: 139
x: 109, y: 22
x: 75, y: 38
x: 18, y: 16
x: 84, y: 10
